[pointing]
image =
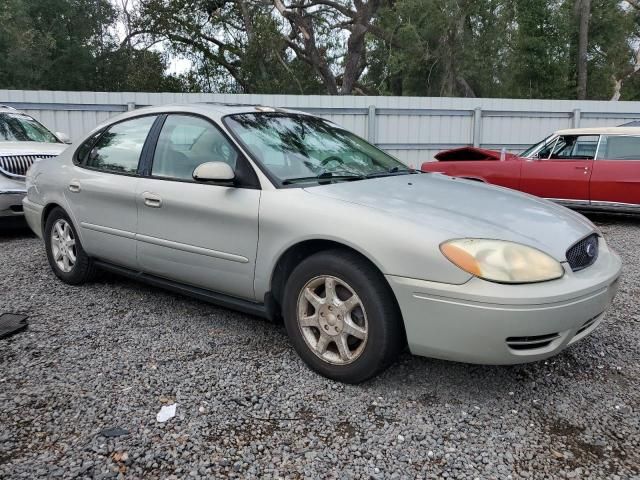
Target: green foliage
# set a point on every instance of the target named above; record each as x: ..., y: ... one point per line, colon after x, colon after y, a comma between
x: 499, y: 48
x: 488, y: 48
x: 69, y: 45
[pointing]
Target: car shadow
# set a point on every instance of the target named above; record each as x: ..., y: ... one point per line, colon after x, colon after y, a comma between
x: 14, y: 229
x: 613, y: 218
x: 431, y: 381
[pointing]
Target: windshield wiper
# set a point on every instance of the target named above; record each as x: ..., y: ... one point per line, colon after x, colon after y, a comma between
x: 392, y: 171
x: 324, y: 177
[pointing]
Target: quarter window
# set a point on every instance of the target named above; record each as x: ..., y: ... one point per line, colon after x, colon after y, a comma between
x: 118, y: 149
x: 619, y: 148
x: 85, y: 147
x: 186, y: 142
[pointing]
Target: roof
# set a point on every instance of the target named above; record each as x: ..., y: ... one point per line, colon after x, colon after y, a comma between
x: 7, y: 108
x: 215, y: 111
x: 233, y: 108
x: 600, y: 131
x: 635, y: 123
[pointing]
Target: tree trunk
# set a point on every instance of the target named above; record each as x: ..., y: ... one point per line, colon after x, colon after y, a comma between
x: 583, y: 10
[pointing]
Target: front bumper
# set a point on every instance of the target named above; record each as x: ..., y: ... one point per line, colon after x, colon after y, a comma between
x: 489, y: 323
x: 11, y: 195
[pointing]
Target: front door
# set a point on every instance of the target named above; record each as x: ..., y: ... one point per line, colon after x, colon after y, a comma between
x: 199, y: 234
x: 101, y: 190
x: 615, y: 182
x: 561, y: 171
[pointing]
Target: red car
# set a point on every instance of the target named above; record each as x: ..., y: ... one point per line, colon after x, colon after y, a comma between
x: 586, y: 168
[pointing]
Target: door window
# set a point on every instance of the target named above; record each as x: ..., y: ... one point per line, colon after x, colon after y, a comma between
x: 619, y: 148
x: 118, y: 149
x: 186, y: 142
x: 571, y: 147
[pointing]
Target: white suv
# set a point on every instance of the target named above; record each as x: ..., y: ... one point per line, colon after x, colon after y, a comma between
x: 23, y: 140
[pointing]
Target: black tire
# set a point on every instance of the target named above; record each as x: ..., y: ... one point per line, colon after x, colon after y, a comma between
x: 386, y: 336
x: 83, y: 270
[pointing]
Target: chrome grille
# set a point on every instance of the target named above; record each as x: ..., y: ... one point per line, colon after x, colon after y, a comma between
x: 583, y: 253
x: 17, y: 165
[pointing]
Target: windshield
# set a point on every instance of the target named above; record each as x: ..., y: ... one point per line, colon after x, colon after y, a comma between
x: 300, y: 148
x: 533, y: 149
x: 17, y: 127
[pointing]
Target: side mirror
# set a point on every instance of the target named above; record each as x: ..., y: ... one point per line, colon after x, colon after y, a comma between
x: 214, y: 172
x: 63, y: 137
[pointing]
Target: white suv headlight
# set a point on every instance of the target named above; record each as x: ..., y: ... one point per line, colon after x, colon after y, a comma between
x: 501, y: 261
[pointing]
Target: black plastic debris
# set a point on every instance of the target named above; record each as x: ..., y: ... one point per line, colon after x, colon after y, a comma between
x: 12, y: 323
x: 114, y: 432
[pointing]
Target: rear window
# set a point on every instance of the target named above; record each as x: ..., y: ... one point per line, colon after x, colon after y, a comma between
x: 619, y: 148
x: 118, y: 149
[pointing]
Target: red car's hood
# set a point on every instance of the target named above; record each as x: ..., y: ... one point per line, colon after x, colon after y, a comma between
x: 470, y: 153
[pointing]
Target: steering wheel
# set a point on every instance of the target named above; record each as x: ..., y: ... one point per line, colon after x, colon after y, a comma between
x: 332, y: 158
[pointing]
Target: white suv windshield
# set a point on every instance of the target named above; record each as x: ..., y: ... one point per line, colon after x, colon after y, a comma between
x: 300, y: 148
x: 17, y: 127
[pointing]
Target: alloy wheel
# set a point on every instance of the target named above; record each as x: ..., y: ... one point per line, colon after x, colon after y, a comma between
x: 63, y: 245
x: 332, y: 320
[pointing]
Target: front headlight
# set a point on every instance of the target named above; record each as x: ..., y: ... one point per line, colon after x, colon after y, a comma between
x: 501, y: 261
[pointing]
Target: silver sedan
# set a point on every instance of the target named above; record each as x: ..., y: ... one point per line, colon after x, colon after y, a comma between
x: 285, y: 215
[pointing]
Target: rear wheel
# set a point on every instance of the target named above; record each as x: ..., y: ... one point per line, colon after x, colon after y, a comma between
x: 66, y: 256
x: 342, y: 317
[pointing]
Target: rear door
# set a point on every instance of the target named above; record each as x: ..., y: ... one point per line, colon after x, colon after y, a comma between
x: 561, y: 170
x: 615, y: 182
x: 101, y: 190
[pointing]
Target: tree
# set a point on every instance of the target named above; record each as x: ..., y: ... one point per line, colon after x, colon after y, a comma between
x: 312, y: 27
x: 22, y: 48
x: 583, y: 11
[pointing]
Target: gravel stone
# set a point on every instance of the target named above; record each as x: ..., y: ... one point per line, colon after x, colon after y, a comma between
x: 113, y: 352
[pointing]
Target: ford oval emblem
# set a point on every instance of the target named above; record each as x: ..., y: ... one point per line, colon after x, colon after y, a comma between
x: 591, y: 250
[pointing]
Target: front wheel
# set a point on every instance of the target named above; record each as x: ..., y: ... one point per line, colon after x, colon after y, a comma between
x: 342, y: 317
x: 66, y: 256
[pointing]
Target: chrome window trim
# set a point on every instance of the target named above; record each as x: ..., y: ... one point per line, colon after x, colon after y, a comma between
x: 595, y: 155
x: 533, y: 154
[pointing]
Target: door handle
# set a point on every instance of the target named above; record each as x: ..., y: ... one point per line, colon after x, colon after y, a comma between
x: 74, y: 186
x: 152, y: 200
x: 582, y: 168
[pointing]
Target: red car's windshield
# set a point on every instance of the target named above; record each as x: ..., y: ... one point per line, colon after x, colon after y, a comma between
x: 529, y: 151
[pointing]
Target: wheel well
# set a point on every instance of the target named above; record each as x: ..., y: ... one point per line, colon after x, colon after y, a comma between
x: 290, y: 259
x: 45, y: 213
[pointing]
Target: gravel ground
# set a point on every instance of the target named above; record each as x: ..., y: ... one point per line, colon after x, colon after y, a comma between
x: 112, y: 353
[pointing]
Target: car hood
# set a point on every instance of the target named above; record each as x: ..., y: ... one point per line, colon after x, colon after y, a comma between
x: 31, y: 148
x: 462, y: 208
x: 470, y: 153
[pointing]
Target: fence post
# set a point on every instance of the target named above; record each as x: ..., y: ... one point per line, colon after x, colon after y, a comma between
x: 131, y: 106
x: 477, y: 126
x: 576, y: 118
x: 371, y: 124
